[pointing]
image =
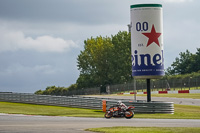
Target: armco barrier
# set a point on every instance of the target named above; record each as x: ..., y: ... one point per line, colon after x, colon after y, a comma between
x: 67, y: 101
x: 146, y: 107
x: 87, y: 102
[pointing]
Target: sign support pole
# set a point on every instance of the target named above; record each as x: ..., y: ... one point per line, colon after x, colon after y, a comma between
x: 134, y: 89
x: 148, y: 91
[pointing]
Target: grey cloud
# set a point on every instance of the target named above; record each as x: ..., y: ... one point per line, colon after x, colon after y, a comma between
x: 15, y: 40
x: 76, y: 11
x: 28, y: 71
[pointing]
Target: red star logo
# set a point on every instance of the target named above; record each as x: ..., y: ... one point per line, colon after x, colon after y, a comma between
x: 153, y: 36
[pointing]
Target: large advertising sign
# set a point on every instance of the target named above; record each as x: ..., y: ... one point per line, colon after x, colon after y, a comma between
x: 147, y: 41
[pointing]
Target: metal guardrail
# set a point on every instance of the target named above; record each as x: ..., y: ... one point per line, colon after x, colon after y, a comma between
x: 87, y: 102
x: 147, y: 107
x: 67, y: 101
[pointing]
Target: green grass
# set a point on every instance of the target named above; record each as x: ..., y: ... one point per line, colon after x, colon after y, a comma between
x: 180, y: 95
x: 31, y: 109
x: 146, y: 129
x: 186, y: 95
x: 172, y: 89
x: 181, y: 111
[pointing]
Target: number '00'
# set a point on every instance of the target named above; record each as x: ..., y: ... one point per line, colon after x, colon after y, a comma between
x: 142, y: 26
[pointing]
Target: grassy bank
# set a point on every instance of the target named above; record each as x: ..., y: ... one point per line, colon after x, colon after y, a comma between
x: 181, y: 95
x: 31, y: 109
x: 146, y: 130
x: 186, y: 95
x: 181, y: 111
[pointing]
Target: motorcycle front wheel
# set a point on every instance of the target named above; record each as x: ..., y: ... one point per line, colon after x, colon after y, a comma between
x: 129, y: 114
x: 108, y: 115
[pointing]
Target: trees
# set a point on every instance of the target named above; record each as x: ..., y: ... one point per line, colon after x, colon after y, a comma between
x: 53, y: 90
x: 186, y: 63
x: 105, y: 60
x: 94, y: 62
x: 196, y: 65
x: 121, y: 62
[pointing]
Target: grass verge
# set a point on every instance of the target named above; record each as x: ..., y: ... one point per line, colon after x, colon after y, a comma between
x: 181, y: 111
x: 146, y: 130
x: 186, y: 95
x: 32, y: 109
x: 172, y: 89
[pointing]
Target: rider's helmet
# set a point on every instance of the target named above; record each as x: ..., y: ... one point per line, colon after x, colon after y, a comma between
x: 119, y: 102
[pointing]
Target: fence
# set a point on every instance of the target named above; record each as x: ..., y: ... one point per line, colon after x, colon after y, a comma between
x: 156, y: 85
x: 172, y: 84
x: 88, y: 91
x: 87, y: 102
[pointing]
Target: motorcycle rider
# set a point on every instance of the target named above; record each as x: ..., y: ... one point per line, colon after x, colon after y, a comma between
x: 122, y: 106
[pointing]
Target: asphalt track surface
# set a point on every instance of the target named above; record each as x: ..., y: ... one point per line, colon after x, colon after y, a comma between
x: 56, y: 124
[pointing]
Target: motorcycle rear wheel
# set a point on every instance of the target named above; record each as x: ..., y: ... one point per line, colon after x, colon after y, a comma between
x: 129, y: 114
x: 108, y: 115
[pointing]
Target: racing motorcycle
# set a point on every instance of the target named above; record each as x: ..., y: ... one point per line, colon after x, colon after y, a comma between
x: 116, y: 111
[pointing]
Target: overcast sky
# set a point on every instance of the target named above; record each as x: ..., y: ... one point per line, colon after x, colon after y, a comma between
x: 41, y: 39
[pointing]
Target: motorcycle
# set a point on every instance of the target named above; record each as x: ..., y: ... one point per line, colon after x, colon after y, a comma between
x: 116, y: 111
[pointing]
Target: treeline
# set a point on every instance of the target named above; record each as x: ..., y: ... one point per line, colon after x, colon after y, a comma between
x: 58, y: 91
x: 185, y: 64
x: 193, y: 75
x: 63, y: 91
x: 107, y: 60
x: 104, y: 61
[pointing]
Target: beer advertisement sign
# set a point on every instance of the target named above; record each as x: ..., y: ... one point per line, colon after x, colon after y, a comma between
x: 147, y: 41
